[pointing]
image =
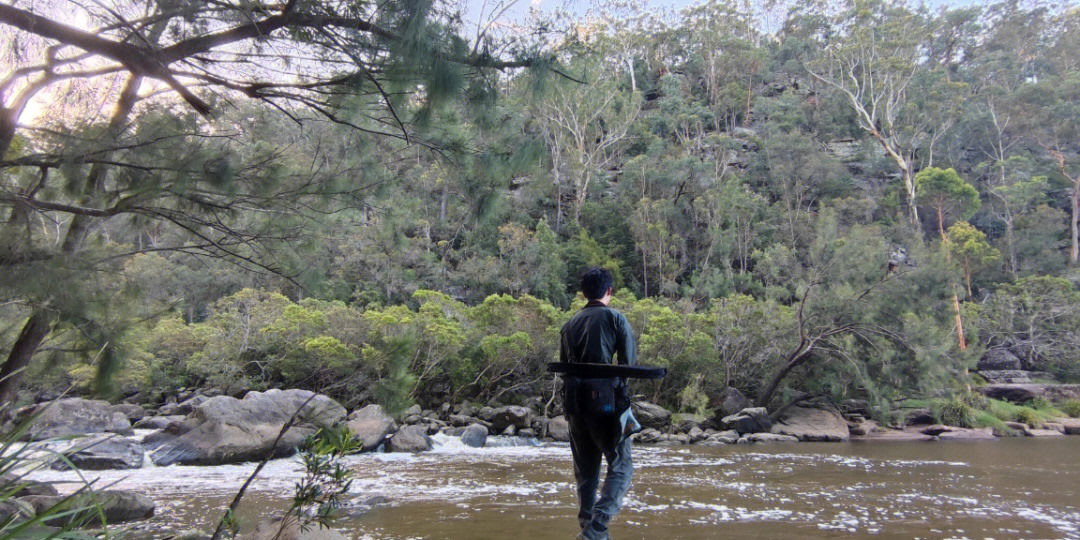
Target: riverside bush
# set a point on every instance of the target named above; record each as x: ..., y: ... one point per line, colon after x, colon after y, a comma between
x: 984, y: 419
x: 954, y: 412
x: 1071, y: 408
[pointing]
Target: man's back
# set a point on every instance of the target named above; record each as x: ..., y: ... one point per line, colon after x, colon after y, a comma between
x: 596, y: 334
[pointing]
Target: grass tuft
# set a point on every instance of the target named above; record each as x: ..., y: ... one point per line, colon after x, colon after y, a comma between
x: 954, y: 411
x: 1071, y: 408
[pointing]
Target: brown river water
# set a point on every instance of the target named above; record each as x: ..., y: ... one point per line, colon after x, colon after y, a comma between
x: 1004, y: 489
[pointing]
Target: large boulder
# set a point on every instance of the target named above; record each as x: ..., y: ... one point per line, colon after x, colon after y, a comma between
x: 474, y: 436
x: 999, y: 360
x: 102, y: 451
x: 751, y: 420
x: 224, y: 429
x: 1006, y: 376
x: 273, y: 529
x: 372, y: 425
x: 512, y: 415
x: 651, y: 415
x: 559, y: 429
x: 731, y: 401
x: 75, y: 416
x: 410, y: 439
x: 813, y: 424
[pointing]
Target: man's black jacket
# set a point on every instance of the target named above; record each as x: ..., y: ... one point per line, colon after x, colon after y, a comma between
x: 596, y: 334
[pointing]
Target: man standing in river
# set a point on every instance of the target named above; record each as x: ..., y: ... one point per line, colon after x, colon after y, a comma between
x: 598, y: 410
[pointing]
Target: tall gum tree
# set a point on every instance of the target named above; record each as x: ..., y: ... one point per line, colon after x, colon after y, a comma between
x: 879, y: 63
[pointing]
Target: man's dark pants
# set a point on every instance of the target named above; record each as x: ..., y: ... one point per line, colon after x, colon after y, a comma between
x: 593, y: 439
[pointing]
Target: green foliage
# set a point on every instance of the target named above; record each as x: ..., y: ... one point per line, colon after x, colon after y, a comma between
x: 985, y: 419
x: 326, y: 479
x: 1071, y: 407
x: 948, y: 194
x: 953, y: 411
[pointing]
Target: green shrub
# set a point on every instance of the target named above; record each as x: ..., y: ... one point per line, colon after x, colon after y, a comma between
x: 1029, y: 416
x: 1071, y: 408
x: 953, y: 412
x: 984, y: 419
x: 974, y: 400
x: 1040, y: 404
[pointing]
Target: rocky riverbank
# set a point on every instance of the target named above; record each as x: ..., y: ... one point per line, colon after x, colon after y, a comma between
x: 206, y: 429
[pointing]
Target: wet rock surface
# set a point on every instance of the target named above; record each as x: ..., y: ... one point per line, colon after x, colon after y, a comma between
x: 224, y: 429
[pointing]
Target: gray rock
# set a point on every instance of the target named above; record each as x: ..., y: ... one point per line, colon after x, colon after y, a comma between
x: 651, y: 415
x: 726, y: 437
x: 512, y: 415
x: 1045, y: 433
x: 371, y: 425
x: 696, y: 434
x: 770, y: 438
x: 559, y: 429
x: 731, y: 401
x: 752, y: 420
x: 410, y: 439
x: 117, y: 506
x: 918, y: 417
x: 159, y: 422
x: 999, y: 360
x: 185, y: 407
x: 131, y: 411
x: 1022, y: 393
x: 224, y: 429
x: 486, y: 414
x: 21, y: 487
x: 1007, y: 376
x: 823, y: 424
x: 102, y: 451
x: 510, y: 431
x: 75, y: 416
x: 965, y: 434
x: 475, y: 436
x: 460, y: 420
x: 648, y: 435
x: 1071, y: 427
x: 414, y: 410
x: 527, y: 432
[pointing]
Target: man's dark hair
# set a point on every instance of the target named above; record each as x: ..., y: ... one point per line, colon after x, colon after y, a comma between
x: 595, y: 283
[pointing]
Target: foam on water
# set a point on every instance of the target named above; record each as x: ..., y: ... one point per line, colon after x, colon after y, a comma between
x: 853, y: 493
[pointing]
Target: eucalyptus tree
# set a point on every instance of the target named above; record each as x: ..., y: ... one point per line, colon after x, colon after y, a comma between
x: 184, y: 80
x: 878, y: 62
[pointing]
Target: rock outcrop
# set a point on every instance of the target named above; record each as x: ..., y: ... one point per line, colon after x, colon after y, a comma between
x: 224, y: 429
x: 1022, y: 393
x: 824, y: 424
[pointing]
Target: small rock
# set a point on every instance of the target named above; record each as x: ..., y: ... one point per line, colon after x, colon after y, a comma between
x: 510, y: 431
x: 158, y: 422
x: 475, y: 436
x: 696, y: 434
x: 371, y: 425
x: 1045, y: 433
x: 410, y: 439
x: 1058, y: 427
x: 771, y: 438
x: 966, y: 434
x: 132, y: 412
x: 559, y: 429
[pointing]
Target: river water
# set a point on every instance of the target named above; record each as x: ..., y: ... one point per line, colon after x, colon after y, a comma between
x: 1010, y: 488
